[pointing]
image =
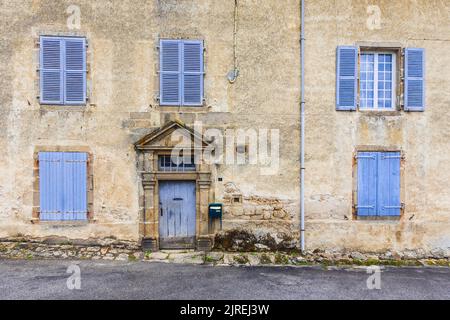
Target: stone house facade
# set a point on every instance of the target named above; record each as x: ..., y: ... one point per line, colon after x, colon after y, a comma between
x: 106, y: 131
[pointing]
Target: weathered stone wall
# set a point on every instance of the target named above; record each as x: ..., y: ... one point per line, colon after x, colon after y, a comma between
x: 122, y: 88
x: 122, y: 107
x: 332, y: 136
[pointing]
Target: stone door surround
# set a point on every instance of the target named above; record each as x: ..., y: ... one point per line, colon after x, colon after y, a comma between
x: 149, y: 148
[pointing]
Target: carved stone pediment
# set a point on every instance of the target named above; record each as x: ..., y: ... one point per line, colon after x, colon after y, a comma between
x: 172, y: 134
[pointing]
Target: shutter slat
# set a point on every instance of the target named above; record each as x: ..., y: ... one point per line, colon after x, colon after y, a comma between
x: 193, y: 73
x: 389, y: 184
x: 414, y: 79
x: 346, y: 78
x: 367, y: 184
x: 75, y: 71
x: 51, y: 91
x: 170, y: 72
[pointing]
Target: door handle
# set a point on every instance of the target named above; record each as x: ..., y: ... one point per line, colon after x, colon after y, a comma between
x: 161, y: 210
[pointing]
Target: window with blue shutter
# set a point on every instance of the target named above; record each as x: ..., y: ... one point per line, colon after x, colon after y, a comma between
x: 63, y: 70
x: 414, y: 85
x: 181, y: 72
x: 378, y: 191
x: 346, y: 78
x: 63, y: 186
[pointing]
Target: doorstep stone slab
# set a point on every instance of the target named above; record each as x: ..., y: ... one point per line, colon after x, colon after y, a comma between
x: 187, y: 258
x: 158, y: 255
x: 122, y: 257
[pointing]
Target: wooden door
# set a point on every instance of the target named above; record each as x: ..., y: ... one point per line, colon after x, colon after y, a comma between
x: 177, y: 218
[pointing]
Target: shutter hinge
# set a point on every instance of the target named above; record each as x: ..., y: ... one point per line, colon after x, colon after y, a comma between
x: 401, y: 206
x: 364, y: 157
x: 401, y: 157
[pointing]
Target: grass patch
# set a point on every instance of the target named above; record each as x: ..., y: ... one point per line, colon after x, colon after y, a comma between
x: 131, y: 257
x: 241, y: 259
x: 265, y: 259
x: 281, y: 258
x: 439, y: 263
x: 209, y: 259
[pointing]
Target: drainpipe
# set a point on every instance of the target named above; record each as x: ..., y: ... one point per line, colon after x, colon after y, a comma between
x: 302, y: 124
x: 232, y: 75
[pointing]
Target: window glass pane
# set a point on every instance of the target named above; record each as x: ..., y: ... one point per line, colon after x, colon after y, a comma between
x: 384, y: 81
x: 376, y: 80
x: 367, y: 80
x: 167, y: 163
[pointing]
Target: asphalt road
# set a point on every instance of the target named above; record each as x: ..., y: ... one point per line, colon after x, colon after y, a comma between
x: 143, y: 280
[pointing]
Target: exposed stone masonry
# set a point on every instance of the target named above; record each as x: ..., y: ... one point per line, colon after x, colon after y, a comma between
x: 112, y: 249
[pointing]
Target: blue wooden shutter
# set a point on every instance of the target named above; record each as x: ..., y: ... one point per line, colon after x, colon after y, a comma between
x: 367, y: 184
x: 51, y: 185
x: 389, y: 184
x: 75, y: 71
x: 192, y: 73
x: 75, y: 186
x: 51, y: 70
x: 170, y: 72
x: 346, y: 78
x: 63, y: 185
x: 414, y: 94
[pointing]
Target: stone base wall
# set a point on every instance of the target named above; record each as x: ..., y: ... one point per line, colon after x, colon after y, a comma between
x: 244, y: 240
x: 60, y: 248
x: 111, y: 249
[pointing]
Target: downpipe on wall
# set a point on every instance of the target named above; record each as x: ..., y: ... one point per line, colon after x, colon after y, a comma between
x: 302, y: 124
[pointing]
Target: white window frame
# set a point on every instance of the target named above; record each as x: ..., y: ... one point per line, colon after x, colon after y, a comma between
x: 375, y: 80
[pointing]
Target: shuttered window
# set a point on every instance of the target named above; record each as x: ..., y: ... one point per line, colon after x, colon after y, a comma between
x: 63, y: 186
x: 378, y: 80
x: 62, y: 70
x: 378, y: 184
x: 181, y: 72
